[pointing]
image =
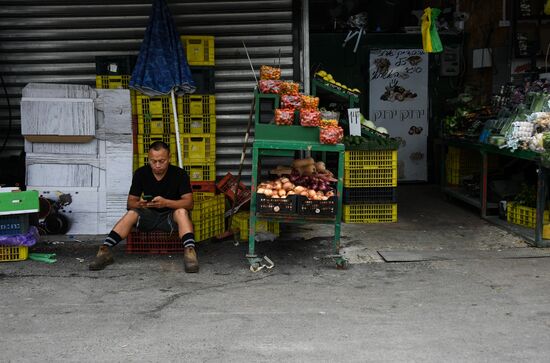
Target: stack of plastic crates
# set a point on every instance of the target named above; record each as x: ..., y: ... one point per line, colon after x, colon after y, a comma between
x: 15, y: 209
x: 198, y: 110
x: 459, y: 164
x: 370, y: 186
x: 208, y: 222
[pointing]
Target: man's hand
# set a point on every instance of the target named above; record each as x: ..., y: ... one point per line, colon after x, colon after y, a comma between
x: 157, y: 202
x: 142, y: 203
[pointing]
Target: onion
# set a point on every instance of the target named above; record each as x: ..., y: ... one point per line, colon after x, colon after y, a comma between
x: 278, y: 185
x: 275, y: 196
x: 268, y: 192
x: 324, y: 198
x: 294, y: 177
x: 284, y: 180
x: 260, y: 191
x: 330, y: 194
x: 312, y: 193
x: 282, y: 192
x: 299, y: 189
x: 304, y: 193
x: 290, y: 192
x: 288, y: 186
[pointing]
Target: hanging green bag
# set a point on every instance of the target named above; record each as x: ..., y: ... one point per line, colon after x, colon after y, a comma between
x: 430, y: 37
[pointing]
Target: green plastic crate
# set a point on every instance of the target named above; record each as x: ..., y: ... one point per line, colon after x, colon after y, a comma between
x: 19, y: 202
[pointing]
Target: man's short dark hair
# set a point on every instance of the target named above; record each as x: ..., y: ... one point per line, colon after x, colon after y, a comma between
x: 158, y: 145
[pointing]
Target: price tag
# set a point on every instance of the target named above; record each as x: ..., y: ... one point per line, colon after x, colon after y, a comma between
x: 354, y: 122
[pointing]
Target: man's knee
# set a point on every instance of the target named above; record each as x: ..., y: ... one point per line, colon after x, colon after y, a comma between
x: 131, y: 216
x: 181, y: 214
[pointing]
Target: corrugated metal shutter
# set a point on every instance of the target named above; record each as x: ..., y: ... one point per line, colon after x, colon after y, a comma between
x: 56, y: 41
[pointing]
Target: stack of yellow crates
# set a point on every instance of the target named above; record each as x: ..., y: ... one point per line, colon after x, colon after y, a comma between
x: 370, y: 181
x: 198, y: 110
x: 153, y: 117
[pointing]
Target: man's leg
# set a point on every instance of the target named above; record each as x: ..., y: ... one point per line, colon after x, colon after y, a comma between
x: 185, y: 232
x: 120, y: 231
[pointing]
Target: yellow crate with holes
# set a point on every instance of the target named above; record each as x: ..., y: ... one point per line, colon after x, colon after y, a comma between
x: 158, y: 124
x: 524, y: 216
x: 369, y: 213
x: 198, y: 124
x: 241, y: 221
x: 198, y: 148
x: 208, y: 216
x: 460, y: 163
x: 144, y: 141
x: 199, y: 105
x: 13, y: 253
x: 157, y: 106
x: 201, y: 172
x: 370, y: 168
x: 112, y: 82
x: 199, y: 49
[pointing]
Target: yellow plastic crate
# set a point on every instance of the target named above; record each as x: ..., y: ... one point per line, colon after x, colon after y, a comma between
x: 198, y: 124
x: 208, y: 217
x: 158, y: 124
x: 370, y: 213
x: 199, y: 49
x: 157, y: 106
x: 206, y: 172
x: 112, y: 82
x: 372, y: 168
x: 13, y: 253
x: 199, y: 105
x: 241, y: 222
x: 198, y: 148
x: 524, y: 216
x: 144, y: 141
x: 460, y: 163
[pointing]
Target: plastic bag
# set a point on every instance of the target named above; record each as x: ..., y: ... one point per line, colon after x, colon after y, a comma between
x: 270, y: 86
x: 267, y: 72
x: 331, y: 135
x: 28, y: 239
x: 310, y: 117
x: 291, y: 101
x: 310, y: 102
x: 284, y: 116
x: 289, y: 88
x: 430, y: 37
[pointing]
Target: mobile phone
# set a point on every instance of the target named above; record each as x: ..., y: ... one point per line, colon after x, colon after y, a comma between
x: 148, y: 198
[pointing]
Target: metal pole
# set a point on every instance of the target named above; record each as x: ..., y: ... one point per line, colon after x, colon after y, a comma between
x: 175, y: 111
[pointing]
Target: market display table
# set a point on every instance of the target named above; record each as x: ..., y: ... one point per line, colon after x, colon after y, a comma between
x: 482, y: 204
x: 281, y: 148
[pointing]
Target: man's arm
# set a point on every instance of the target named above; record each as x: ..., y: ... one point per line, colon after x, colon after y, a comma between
x: 135, y: 202
x: 186, y: 202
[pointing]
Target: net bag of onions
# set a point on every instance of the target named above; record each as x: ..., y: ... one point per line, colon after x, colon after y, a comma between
x: 270, y: 86
x: 272, y: 73
x: 284, y: 116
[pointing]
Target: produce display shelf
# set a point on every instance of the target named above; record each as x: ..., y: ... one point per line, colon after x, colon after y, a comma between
x: 262, y: 148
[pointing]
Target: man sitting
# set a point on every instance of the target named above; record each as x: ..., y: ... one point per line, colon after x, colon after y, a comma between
x: 160, y: 198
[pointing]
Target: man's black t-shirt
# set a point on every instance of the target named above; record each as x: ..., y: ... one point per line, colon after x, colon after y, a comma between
x: 175, y: 183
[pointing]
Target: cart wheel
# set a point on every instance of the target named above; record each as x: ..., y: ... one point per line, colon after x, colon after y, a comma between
x: 342, y: 264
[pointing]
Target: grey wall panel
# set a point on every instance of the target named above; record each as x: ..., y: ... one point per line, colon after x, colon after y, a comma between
x: 56, y: 41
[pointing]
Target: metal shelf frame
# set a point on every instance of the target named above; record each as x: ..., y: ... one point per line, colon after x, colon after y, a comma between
x: 535, y: 237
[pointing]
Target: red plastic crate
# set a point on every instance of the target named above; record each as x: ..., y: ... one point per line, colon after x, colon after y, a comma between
x: 203, y: 186
x: 153, y: 243
x: 228, y: 186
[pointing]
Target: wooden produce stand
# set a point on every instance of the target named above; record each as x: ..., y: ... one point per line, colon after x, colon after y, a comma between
x: 284, y: 141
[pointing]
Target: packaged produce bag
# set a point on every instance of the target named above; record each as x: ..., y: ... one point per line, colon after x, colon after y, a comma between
x: 289, y: 88
x: 291, y: 101
x: 310, y: 117
x: 284, y: 116
x: 270, y: 86
x: 430, y: 36
x: 267, y: 72
x: 310, y: 102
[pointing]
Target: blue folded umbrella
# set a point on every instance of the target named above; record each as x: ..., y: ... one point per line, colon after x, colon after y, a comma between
x: 161, y: 66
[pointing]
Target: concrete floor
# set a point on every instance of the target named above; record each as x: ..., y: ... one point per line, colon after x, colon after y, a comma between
x: 145, y: 308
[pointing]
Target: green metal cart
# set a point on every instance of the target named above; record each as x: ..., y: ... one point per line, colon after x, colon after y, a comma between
x: 284, y: 141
